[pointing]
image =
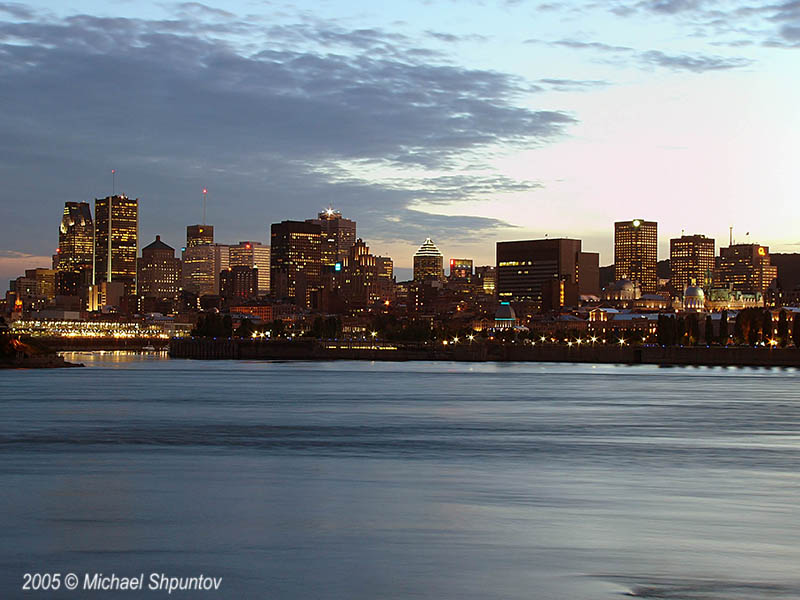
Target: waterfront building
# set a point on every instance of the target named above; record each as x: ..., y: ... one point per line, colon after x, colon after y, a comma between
x: 428, y: 262
x: 159, y: 272
x: 691, y: 259
x: 256, y: 256
x: 338, y: 235
x: 636, y: 253
x: 116, y: 240
x: 523, y: 267
x: 745, y: 268
x: 296, y: 261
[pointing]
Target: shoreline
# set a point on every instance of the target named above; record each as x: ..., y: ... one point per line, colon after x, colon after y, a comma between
x: 734, y: 356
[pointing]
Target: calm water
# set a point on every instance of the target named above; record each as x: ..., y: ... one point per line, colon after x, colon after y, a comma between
x: 412, y: 480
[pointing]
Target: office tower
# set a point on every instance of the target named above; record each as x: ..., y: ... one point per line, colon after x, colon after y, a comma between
x: 636, y: 253
x: 159, y: 273
x: 75, y: 254
x: 75, y: 237
x: 486, y: 277
x: 238, y: 283
x: 461, y: 269
x: 199, y: 235
x: 253, y: 255
x: 385, y: 267
x: 202, y: 265
x: 691, y: 260
x: 338, y: 235
x: 523, y: 267
x: 428, y: 262
x: 296, y: 262
x: 746, y: 268
x: 116, y: 237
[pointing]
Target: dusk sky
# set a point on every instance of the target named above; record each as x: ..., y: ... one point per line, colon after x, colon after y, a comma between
x: 467, y: 122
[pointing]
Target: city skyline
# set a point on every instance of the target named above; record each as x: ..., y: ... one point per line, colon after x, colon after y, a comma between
x: 510, y: 121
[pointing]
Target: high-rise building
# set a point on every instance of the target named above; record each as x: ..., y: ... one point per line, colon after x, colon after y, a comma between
x: 238, y: 283
x: 486, y: 277
x: 199, y: 235
x: 75, y: 255
x: 428, y: 262
x: 159, y: 273
x: 745, y: 268
x: 338, y: 235
x: 253, y: 255
x: 691, y: 260
x: 116, y: 240
x: 385, y: 267
x: 523, y: 267
x: 461, y: 269
x: 295, y: 261
x: 202, y: 265
x: 75, y: 237
x: 636, y: 253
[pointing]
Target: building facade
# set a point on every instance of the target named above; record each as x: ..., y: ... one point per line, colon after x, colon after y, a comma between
x: 159, y: 273
x: 116, y: 240
x: 691, y: 259
x: 338, y: 233
x: 636, y: 253
x: 745, y: 268
x: 295, y: 261
x: 256, y: 256
x: 75, y: 254
x: 523, y: 267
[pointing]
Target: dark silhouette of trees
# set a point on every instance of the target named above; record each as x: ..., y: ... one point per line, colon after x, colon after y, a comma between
x: 723, y: 328
x: 709, y: 331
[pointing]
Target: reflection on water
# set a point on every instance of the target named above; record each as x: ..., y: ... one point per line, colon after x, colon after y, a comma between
x: 433, y: 480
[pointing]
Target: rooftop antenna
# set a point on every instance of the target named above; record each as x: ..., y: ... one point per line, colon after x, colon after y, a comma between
x: 205, y: 192
x: 113, y: 182
x: 730, y: 242
x: 682, y: 232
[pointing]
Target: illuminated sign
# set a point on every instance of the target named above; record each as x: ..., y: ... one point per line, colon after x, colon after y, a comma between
x: 337, y: 266
x: 636, y: 223
x: 762, y: 251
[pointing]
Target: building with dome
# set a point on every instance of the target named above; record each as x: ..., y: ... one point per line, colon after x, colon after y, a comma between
x: 694, y: 299
x: 428, y: 262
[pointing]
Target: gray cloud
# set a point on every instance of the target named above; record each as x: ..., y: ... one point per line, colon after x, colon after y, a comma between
x: 175, y: 105
x: 697, y: 64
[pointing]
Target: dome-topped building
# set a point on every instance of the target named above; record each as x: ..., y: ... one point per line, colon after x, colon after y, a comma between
x: 428, y: 262
x: 694, y: 298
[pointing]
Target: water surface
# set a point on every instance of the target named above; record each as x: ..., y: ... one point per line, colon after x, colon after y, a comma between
x: 404, y: 480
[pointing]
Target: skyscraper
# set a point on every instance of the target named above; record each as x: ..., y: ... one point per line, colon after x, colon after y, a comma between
x: 253, y: 255
x: 238, y: 283
x: 636, y: 253
x: 428, y: 262
x: 116, y: 240
x: 691, y: 260
x: 199, y: 235
x: 75, y: 254
x: 75, y: 237
x: 524, y: 267
x: 746, y: 268
x: 338, y: 232
x: 295, y: 260
x: 159, y: 272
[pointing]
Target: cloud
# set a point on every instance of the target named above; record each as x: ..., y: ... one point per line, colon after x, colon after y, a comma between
x: 697, y: 64
x: 572, y: 85
x: 176, y: 105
